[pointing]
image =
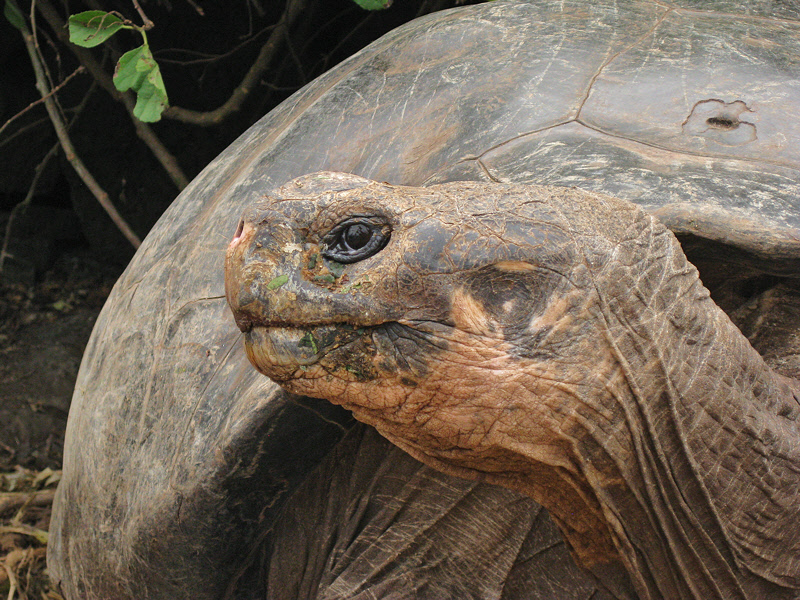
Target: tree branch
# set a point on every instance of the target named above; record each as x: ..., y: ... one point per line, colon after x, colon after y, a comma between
x: 37, y: 174
x: 12, y: 217
x: 40, y: 100
x: 148, y: 24
x: 66, y: 144
x: 268, y: 51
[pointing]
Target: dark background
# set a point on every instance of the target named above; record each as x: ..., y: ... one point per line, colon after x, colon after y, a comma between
x: 62, y: 252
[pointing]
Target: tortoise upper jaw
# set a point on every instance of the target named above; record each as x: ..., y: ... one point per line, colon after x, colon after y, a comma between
x: 258, y: 266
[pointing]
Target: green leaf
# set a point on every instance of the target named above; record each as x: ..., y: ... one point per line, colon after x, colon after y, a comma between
x: 373, y: 4
x: 132, y: 68
x: 308, y: 341
x: 93, y: 27
x: 335, y: 268
x: 61, y: 305
x: 151, y: 98
x: 14, y: 15
x: 137, y: 70
x: 277, y: 282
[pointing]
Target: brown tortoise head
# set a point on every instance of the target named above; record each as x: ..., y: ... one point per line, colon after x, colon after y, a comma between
x: 549, y: 340
x: 387, y: 299
x: 435, y: 314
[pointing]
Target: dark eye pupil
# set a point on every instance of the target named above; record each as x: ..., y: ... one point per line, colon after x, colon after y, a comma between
x: 357, y: 236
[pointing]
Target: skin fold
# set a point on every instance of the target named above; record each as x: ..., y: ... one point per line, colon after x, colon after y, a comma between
x: 548, y: 340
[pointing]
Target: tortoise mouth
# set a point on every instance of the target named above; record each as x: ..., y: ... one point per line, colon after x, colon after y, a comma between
x: 287, y: 347
x: 284, y: 352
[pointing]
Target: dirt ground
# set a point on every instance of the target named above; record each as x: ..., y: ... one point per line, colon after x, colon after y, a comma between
x: 43, y: 330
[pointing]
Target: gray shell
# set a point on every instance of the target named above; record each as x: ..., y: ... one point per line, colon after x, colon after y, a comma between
x: 179, y: 455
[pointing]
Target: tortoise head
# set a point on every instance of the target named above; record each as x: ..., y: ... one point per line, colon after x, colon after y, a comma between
x: 410, y: 305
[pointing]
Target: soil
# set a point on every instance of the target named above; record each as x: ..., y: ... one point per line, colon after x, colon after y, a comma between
x: 43, y: 330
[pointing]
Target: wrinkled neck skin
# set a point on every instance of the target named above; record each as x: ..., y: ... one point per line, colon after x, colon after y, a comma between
x: 662, y: 445
x: 709, y: 497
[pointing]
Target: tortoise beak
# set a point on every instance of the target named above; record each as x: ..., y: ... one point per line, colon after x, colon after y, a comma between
x: 258, y: 262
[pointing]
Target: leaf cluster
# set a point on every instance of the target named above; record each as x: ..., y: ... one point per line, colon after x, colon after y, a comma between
x: 136, y: 70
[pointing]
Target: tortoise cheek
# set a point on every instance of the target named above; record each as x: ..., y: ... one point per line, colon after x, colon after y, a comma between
x: 508, y: 295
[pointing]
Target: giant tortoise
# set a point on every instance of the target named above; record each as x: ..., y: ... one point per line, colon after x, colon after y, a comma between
x: 187, y: 474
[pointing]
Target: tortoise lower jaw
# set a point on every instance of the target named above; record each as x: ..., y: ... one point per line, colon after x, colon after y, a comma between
x: 283, y: 353
x: 279, y: 352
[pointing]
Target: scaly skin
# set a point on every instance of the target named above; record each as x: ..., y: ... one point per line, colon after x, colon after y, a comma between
x: 551, y: 341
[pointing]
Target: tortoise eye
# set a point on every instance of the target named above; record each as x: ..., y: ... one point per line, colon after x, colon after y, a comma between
x: 355, y: 239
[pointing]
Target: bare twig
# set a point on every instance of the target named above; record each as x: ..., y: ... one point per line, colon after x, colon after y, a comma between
x: 15, y: 500
x: 195, y: 6
x: 322, y: 65
x: 66, y: 144
x: 12, y: 579
x: 40, y: 535
x: 40, y: 100
x: 257, y: 7
x: 24, y: 130
x: 146, y: 22
x: 295, y: 58
x: 37, y: 174
x: 145, y: 133
x: 12, y: 217
x: 268, y: 51
x: 205, y: 57
x: 290, y: 89
x: 34, y: 33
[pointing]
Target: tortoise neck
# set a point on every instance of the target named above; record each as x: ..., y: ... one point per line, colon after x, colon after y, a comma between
x: 711, y: 444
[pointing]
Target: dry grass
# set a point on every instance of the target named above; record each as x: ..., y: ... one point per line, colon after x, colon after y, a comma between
x: 26, y: 498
